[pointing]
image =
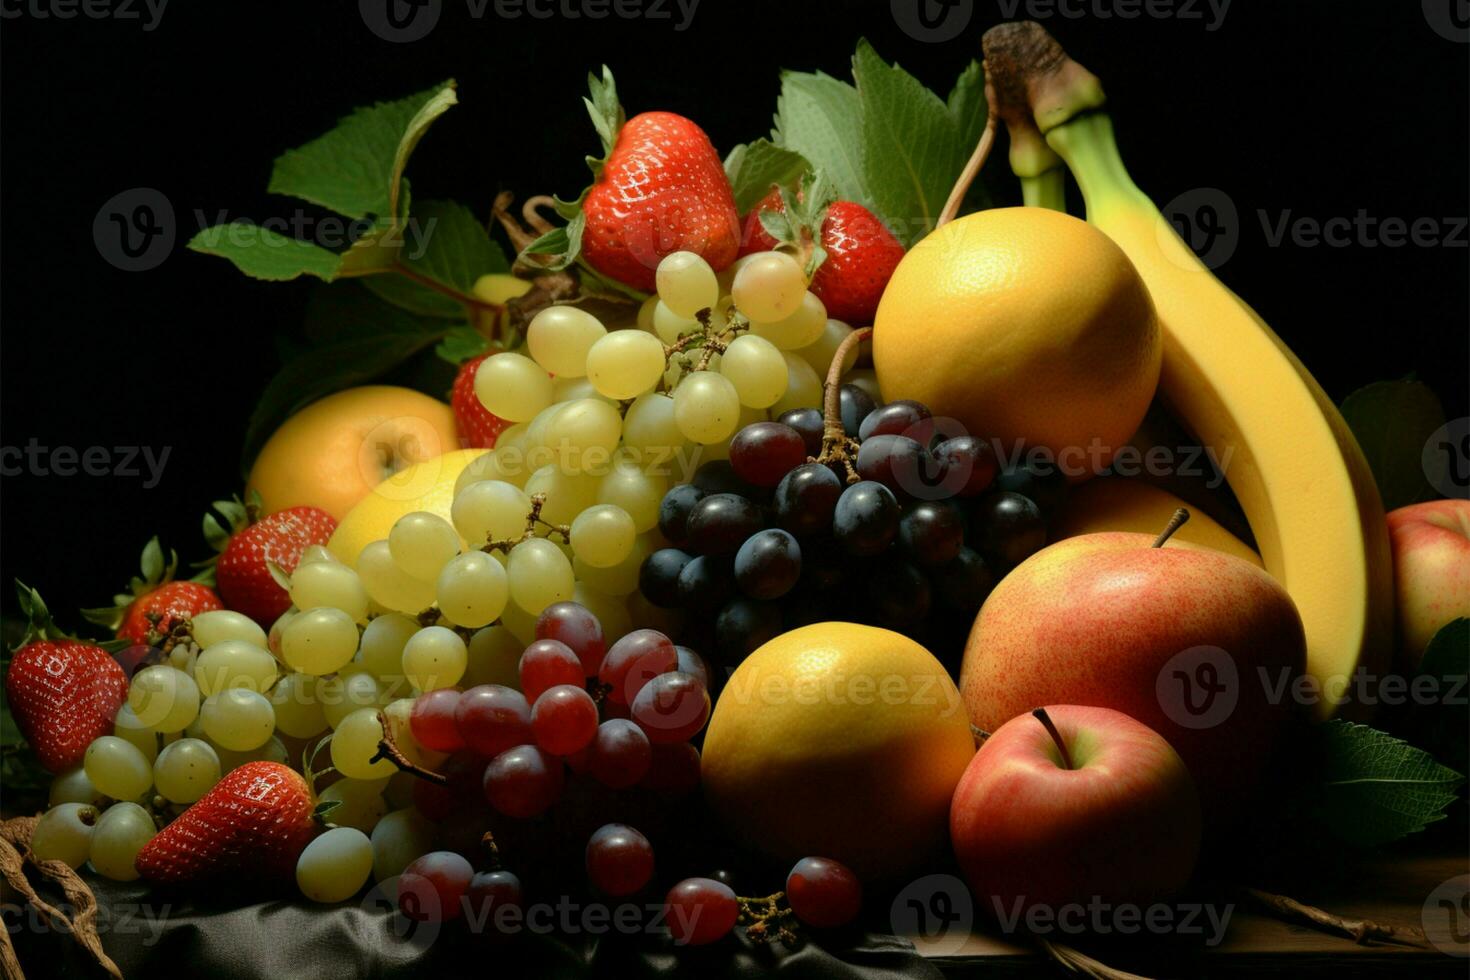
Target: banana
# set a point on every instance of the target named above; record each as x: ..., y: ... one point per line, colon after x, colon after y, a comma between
x: 1294, y: 465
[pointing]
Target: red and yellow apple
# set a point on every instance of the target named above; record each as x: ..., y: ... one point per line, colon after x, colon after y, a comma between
x: 1431, y: 564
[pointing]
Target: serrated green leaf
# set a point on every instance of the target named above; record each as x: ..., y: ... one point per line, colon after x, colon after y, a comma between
x: 461, y: 344
x: 443, y: 243
x: 264, y: 254
x: 1392, y: 420
x: 820, y: 117
x: 1376, y: 788
x: 605, y: 109
x: 563, y: 245
x: 754, y: 168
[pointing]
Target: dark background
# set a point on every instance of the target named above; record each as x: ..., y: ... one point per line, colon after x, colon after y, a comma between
x: 1324, y: 108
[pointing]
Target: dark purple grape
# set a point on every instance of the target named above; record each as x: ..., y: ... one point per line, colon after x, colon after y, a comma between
x: 806, y: 497
x: 721, y: 522
x: 768, y: 564
x: 894, y: 419
x: 964, y: 583
x: 673, y: 512
x: 658, y: 578
x: 763, y: 452
x: 809, y: 424
x: 900, y: 464
x: 825, y: 565
x: 619, y: 860
x: 931, y: 531
x: 865, y: 521
x: 967, y: 465
x: 718, y: 476
x: 1040, y: 481
x: 899, y: 595
x: 706, y: 584
x: 1007, y: 528
x: 692, y: 663
x: 743, y: 625
x: 855, y: 405
x: 488, y: 894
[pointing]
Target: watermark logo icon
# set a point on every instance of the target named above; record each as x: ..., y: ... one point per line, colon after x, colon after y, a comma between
x: 134, y: 230
x: 1199, y: 687
x: 1446, y: 917
x: 935, y: 21
x: 935, y: 910
x: 401, y: 21
x: 1446, y: 458
x: 1207, y: 220
x: 1450, y: 19
x: 411, y: 937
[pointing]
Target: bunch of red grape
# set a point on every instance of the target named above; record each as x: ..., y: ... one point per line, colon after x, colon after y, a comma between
x: 771, y: 540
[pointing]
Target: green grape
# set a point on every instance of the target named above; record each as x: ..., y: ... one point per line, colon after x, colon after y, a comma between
x: 398, y: 714
x: 539, y: 575
x: 355, y: 742
x: 506, y: 462
x: 237, y: 719
x: 343, y: 693
x: 273, y: 638
x: 219, y: 625
x: 421, y: 543
x: 611, y: 612
x: 649, y: 428
x: 645, y: 314
x: 64, y: 833
x: 706, y: 407
x: 625, y: 364
x: 803, y: 387
x: 185, y: 770
x: 165, y: 699
x: 567, y: 494
x: 127, y: 725
x: 769, y: 287
x: 398, y: 840
x: 636, y: 489
x: 866, y: 379
x: 584, y: 434
x: 73, y: 786
x: 360, y: 803
x: 559, y: 338
x: 319, y: 641
x: 535, y: 445
x: 335, y: 865
x: 512, y: 387
x: 234, y: 663
x: 820, y: 352
x: 389, y: 585
x: 522, y: 624
x: 490, y: 510
x: 434, y: 657
x: 802, y: 328
x: 686, y: 283
x: 299, y: 712
x: 382, y: 645
x: 757, y: 370
x: 330, y: 583
x: 603, y: 535
x: 274, y: 750
x: 494, y: 656
x: 620, y: 579
x: 183, y: 656
x: 670, y: 326
x: 119, y: 835
x: 472, y: 590
x: 117, y: 768
x: 314, y: 553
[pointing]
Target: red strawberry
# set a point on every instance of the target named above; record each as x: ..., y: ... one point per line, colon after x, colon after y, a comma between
x: 63, y: 692
x: 154, y: 603
x: 478, y: 429
x: 660, y: 189
x: 253, y: 824
x: 242, y: 571
x: 861, y: 253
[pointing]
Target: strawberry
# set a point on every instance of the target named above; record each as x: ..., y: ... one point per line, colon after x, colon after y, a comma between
x: 478, y: 429
x: 253, y: 824
x: 63, y: 692
x: 155, y: 603
x: 858, y: 254
x: 249, y: 548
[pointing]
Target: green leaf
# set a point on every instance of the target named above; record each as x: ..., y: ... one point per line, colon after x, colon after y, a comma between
x: 443, y: 243
x: 605, y: 109
x: 461, y: 344
x: 969, y: 109
x: 563, y: 244
x: 820, y: 117
x: 1392, y: 420
x: 264, y: 254
x: 753, y: 168
x: 1376, y: 788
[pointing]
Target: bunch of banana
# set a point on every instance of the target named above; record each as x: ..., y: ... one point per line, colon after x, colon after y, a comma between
x: 1295, y: 467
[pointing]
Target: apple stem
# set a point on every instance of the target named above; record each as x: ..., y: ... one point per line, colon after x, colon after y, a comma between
x: 1056, y: 736
x: 1175, y: 523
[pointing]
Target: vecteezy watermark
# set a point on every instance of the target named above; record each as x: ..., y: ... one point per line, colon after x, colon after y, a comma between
x: 1099, y: 917
x: 149, y: 12
x: 1211, y: 13
x: 111, y: 918
x: 934, y: 911
x: 935, y: 21
x: 1198, y: 687
x: 405, y: 21
x: 1446, y: 917
x: 1206, y: 219
x: 1446, y: 458
x: 134, y: 230
x: 1450, y: 19
x: 840, y: 687
x: 34, y: 459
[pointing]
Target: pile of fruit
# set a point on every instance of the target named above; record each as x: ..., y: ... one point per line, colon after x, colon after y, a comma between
x: 742, y: 502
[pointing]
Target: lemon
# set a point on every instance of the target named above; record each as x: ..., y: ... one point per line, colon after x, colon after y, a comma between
x: 842, y: 741
x: 427, y: 486
x: 1023, y: 324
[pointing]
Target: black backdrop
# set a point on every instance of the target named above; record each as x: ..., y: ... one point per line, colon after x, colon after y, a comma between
x: 1322, y: 109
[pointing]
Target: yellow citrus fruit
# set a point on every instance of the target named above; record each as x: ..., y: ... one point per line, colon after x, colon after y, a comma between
x: 424, y: 486
x: 1023, y: 324
x: 842, y: 741
x: 335, y: 450
x: 1117, y: 504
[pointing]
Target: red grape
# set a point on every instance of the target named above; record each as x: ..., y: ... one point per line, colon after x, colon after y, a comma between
x: 432, y: 720
x: 635, y: 660
x: 691, y: 662
x: 465, y: 772
x: 430, y: 888
x: 524, y: 781
x: 564, y: 719
x: 491, y: 891
x: 673, y: 768
x: 895, y: 418
x: 620, y: 754
x: 823, y: 893
x: 763, y: 452
x: 433, y: 800
x: 493, y: 718
x: 700, y: 910
x: 573, y: 624
x: 672, y: 707
x: 619, y: 859
x: 547, y: 663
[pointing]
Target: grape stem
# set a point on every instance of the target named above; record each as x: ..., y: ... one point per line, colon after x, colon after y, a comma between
x: 492, y: 852
x: 707, y: 338
x: 533, y: 520
x: 836, y: 446
x: 973, y: 165
x: 767, y: 917
x: 388, y: 749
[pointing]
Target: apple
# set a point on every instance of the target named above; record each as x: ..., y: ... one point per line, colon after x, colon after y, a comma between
x: 1203, y: 647
x: 1072, y: 804
x: 1431, y: 564
x: 333, y: 452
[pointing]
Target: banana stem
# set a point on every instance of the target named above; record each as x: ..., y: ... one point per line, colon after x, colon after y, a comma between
x: 1045, y: 190
x: 1087, y: 145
